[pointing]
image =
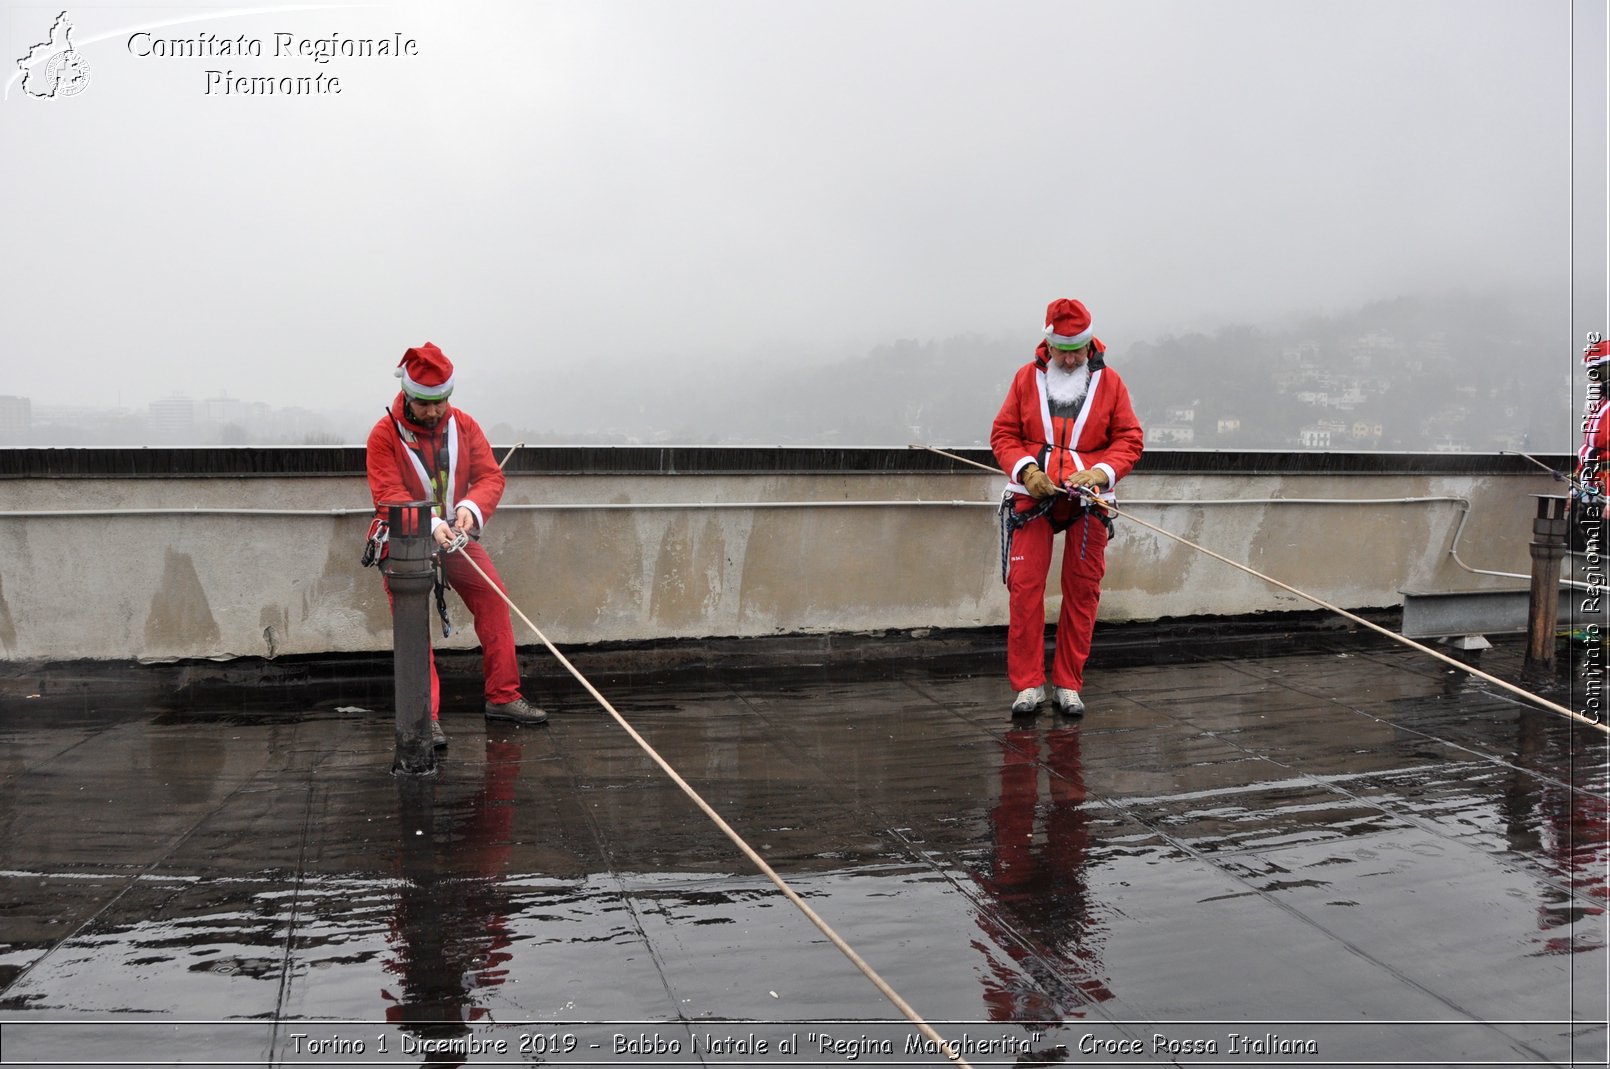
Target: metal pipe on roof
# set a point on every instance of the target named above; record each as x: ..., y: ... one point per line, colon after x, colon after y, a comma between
x: 585, y: 506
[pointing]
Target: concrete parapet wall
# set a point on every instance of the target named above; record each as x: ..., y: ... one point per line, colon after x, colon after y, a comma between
x: 155, y: 567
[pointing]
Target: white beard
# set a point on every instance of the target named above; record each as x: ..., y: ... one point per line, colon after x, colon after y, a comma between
x: 1067, y: 387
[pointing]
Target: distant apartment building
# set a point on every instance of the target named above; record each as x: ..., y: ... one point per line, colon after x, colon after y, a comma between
x: 1313, y: 438
x: 1363, y: 430
x: 172, y: 417
x: 1178, y: 427
x: 1304, y: 353
x: 1322, y: 434
x: 16, y: 419
x: 222, y: 409
x: 1366, y: 348
x: 1351, y: 397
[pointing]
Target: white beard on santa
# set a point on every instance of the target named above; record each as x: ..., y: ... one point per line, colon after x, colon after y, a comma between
x: 1067, y: 387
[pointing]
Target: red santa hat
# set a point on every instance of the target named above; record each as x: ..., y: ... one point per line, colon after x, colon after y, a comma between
x: 426, y: 373
x: 1067, y: 324
x: 1596, y: 354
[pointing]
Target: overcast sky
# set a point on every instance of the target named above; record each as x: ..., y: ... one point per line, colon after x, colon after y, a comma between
x: 559, y: 192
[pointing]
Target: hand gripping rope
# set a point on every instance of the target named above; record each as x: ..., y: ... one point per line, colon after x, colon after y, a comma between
x: 940, y: 1043
x: 1093, y: 500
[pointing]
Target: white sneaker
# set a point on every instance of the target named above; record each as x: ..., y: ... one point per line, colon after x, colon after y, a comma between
x: 1067, y: 701
x: 1028, y: 700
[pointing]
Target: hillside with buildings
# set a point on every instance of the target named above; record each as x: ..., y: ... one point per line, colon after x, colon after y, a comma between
x: 1453, y: 374
x: 1450, y: 375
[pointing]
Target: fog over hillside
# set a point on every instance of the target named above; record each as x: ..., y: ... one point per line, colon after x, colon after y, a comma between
x: 1460, y: 372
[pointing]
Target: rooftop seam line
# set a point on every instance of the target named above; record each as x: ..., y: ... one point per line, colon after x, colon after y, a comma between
x: 275, y: 1053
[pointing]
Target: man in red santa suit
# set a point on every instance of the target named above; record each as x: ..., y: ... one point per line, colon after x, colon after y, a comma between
x: 424, y: 448
x: 1593, y: 458
x: 1065, y: 432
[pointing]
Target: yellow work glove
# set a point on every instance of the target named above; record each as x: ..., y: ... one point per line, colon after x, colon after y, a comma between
x: 1037, y: 482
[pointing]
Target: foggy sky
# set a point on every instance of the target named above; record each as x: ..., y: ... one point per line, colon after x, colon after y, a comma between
x: 564, y: 194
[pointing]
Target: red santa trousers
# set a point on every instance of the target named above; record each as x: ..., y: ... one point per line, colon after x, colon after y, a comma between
x: 499, y: 665
x: 1084, y: 561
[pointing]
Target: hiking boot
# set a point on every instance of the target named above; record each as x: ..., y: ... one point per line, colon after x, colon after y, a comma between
x: 1028, y: 700
x: 1067, y: 701
x: 520, y: 711
x: 438, y: 737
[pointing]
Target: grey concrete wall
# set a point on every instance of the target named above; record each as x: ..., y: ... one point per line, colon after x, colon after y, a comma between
x: 631, y: 557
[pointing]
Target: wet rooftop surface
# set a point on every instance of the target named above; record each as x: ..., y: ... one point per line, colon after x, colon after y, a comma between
x: 1341, y: 856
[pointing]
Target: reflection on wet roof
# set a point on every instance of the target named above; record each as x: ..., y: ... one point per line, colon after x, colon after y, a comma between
x: 1345, y: 847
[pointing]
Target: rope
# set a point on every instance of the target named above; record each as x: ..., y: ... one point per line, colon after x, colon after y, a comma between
x: 1535, y: 699
x: 1559, y: 476
x: 759, y: 862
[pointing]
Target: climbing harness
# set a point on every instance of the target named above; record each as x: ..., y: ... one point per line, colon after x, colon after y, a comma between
x: 440, y: 588
x: 374, y: 544
x: 439, y: 484
x: 1096, y: 500
x: 374, y: 551
x: 942, y: 1044
x: 1012, y: 520
x: 456, y: 542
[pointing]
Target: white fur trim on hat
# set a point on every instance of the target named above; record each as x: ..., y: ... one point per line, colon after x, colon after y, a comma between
x: 1069, y: 340
x: 424, y: 393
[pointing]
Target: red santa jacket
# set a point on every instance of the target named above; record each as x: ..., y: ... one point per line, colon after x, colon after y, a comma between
x: 1104, y: 435
x: 451, y: 464
x: 1593, y: 459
